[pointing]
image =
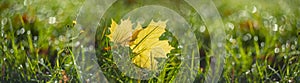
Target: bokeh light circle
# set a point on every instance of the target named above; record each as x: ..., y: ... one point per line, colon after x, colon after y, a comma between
x: 93, y: 10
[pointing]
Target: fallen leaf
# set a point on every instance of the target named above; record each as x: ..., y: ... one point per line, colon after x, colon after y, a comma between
x: 147, y: 45
x: 121, y: 34
x: 144, y: 43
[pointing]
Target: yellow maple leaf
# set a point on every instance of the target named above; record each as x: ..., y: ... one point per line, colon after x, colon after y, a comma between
x: 147, y: 46
x: 144, y: 43
x: 121, y: 34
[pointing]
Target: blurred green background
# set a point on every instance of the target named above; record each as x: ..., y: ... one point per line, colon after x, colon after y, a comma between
x: 262, y: 40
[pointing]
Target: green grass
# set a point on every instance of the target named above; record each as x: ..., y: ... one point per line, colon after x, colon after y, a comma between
x: 33, y: 50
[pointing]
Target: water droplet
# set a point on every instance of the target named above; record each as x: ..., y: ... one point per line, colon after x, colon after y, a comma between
x: 22, y: 31
x: 232, y: 40
x: 18, y: 7
x: 22, y: 47
x: 238, y: 56
x: 269, y: 17
x: 253, y: 66
x: 67, y: 65
x: 190, y: 35
x: 61, y: 38
x: 293, y: 47
x: 202, y: 28
x: 4, y: 48
x: 247, y: 72
x: 63, y: 54
x: 4, y: 21
x: 68, y: 35
x: 87, y: 80
x: 281, y: 29
x: 285, y: 56
x: 276, y: 50
x: 27, y: 2
x: 50, y: 42
x: 12, y: 51
x: 249, y: 35
x: 262, y: 44
x: 287, y: 45
x: 230, y: 25
x: 57, y: 49
x: 26, y: 64
x: 34, y: 45
x: 18, y: 32
x: 2, y: 33
x: 254, y: 9
x: 35, y: 38
x: 266, y: 23
x: 295, y: 72
x: 252, y: 69
x: 228, y: 36
x: 243, y: 13
x: 28, y: 32
x: 91, y: 47
x: 246, y: 37
x: 220, y: 44
x: 180, y: 46
x: 275, y: 27
x: 283, y: 47
x: 255, y: 38
x: 52, y: 20
x: 77, y: 43
x: 181, y: 57
x: 41, y: 60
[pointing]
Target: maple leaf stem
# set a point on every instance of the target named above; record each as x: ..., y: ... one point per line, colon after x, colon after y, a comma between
x: 142, y: 41
x: 145, y: 37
